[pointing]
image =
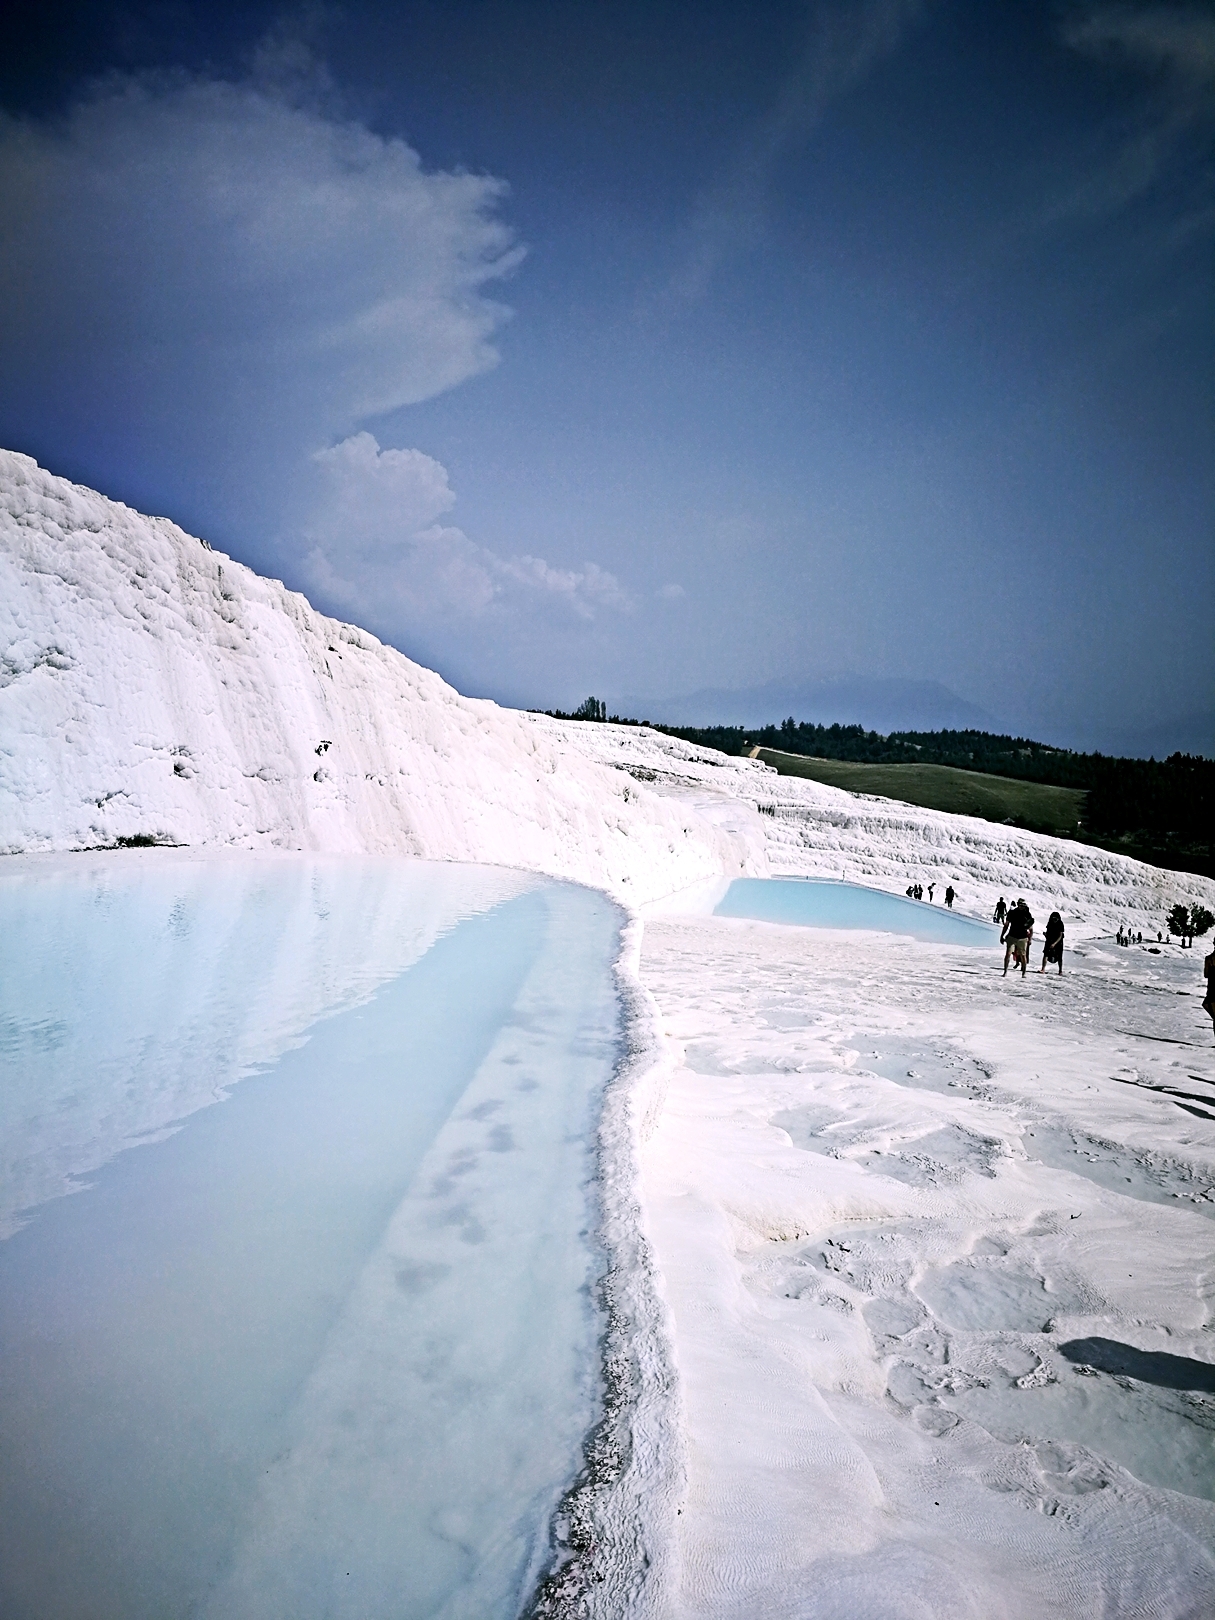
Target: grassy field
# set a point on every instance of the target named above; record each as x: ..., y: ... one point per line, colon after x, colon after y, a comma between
x: 945, y: 787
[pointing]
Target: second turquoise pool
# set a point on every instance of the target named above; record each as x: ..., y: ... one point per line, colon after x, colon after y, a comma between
x: 818, y: 903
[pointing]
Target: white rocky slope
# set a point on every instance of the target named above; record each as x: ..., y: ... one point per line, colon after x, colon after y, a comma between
x: 151, y: 687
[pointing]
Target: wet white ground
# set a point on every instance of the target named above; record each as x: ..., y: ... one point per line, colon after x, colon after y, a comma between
x: 939, y: 1249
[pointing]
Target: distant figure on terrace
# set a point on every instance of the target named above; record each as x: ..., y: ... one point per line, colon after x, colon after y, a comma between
x: 931, y: 887
x: 1018, y: 932
x: 949, y: 897
x: 1001, y: 911
x: 1052, y: 944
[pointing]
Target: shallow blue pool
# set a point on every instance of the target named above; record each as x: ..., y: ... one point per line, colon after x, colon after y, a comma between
x: 296, y: 1277
x: 815, y: 903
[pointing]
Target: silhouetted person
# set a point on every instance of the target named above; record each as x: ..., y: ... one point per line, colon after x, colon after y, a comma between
x: 999, y: 914
x: 1018, y: 931
x: 1208, y: 967
x: 1052, y: 944
x: 931, y: 887
x: 949, y: 897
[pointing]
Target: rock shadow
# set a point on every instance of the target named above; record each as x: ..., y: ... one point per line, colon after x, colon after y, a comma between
x: 1148, y: 1366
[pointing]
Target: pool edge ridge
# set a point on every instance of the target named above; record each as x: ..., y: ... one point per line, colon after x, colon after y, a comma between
x: 612, y: 1534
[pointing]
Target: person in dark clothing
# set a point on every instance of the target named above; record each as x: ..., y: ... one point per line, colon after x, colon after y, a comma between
x: 1052, y: 945
x: 931, y: 887
x: 1001, y: 911
x: 1208, y: 968
x: 1018, y: 932
x: 949, y: 897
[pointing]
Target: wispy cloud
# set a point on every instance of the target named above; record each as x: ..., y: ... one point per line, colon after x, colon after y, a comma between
x: 1142, y: 159
x: 1178, y: 40
x: 1172, y: 49
x: 844, y: 41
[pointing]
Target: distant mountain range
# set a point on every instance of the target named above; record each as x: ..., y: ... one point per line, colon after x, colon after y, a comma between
x: 883, y: 705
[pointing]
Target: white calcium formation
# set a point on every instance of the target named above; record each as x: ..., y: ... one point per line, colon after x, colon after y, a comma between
x: 872, y: 1210
x: 153, y: 688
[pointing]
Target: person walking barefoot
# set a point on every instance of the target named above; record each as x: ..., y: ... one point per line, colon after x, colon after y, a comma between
x: 1018, y: 932
x: 1052, y: 944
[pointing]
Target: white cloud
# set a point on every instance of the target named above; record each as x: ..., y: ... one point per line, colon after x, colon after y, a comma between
x: 375, y: 497
x: 672, y: 592
x: 375, y: 545
x: 583, y: 589
x: 177, y: 234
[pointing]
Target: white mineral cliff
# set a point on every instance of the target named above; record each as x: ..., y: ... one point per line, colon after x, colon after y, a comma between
x: 152, y: 688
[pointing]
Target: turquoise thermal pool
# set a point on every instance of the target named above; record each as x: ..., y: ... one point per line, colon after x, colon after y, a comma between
x: 297, y: 1273
x: 815, y: 903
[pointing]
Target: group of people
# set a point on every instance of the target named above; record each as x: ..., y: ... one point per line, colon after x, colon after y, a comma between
x: 915, y: 891
x: 1017, y: 932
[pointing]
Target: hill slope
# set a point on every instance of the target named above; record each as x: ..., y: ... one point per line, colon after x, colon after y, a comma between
x: 943, y: 787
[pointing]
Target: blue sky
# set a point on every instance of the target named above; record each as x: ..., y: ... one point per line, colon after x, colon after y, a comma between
x: 642, y: 349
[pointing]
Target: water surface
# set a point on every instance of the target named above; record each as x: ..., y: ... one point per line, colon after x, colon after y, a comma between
x: 817, y: 903
x: 324, y: 1346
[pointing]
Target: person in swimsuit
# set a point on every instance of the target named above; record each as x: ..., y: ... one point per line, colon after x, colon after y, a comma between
x: 1208, y: 968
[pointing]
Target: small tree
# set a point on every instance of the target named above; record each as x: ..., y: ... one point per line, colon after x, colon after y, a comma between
x: 1189, y: 922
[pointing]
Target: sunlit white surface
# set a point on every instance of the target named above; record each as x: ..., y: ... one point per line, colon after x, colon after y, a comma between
x: 928, y: 1237
x: 328, y: 1347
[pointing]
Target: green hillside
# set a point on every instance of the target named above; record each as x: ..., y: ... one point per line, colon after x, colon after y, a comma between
x: 945, y: 787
